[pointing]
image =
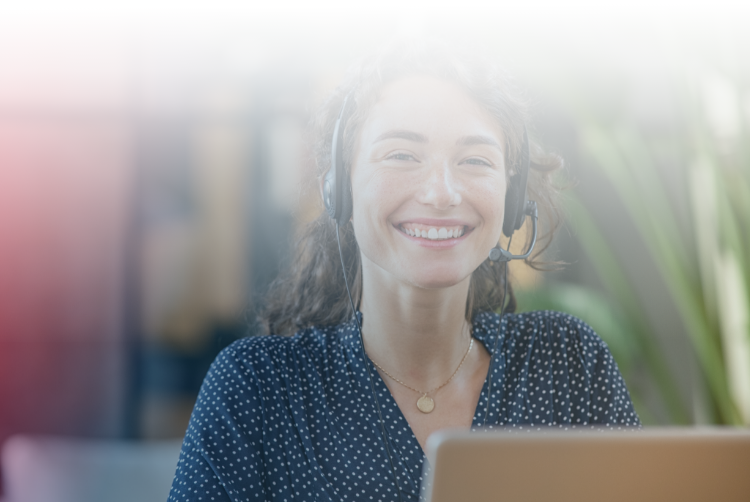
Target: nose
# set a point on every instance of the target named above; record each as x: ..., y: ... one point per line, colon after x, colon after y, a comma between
x: 439, y: 188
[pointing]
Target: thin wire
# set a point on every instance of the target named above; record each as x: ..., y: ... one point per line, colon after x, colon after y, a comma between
x: 367, y: 367
x: 494, y: 349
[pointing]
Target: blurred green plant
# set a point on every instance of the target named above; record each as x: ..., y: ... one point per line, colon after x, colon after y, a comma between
x: 706, y: 271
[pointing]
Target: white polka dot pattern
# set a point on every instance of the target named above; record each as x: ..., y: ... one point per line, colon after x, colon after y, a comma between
x: 290, y: 419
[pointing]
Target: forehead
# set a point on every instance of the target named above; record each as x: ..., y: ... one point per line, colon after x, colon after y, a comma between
x: 437, y: 108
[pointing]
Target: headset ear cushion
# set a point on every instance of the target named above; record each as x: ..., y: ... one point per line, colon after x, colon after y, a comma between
x: 515, y: 196
x: 337, y: 195
x: 344, y: 199
x: 511, y: 207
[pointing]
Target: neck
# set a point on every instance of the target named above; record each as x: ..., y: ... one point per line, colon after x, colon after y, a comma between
x: 416, y: 334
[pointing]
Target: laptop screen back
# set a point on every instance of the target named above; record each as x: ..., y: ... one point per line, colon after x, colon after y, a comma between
x: 575, y: 465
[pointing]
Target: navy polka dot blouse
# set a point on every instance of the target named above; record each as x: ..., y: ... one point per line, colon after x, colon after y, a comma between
x: 293, y: 418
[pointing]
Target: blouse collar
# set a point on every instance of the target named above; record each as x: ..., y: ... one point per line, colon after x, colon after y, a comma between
x: 485, y: 327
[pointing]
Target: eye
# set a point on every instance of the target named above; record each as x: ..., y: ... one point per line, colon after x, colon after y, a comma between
x: 477, y: 162
x: 400, y: 156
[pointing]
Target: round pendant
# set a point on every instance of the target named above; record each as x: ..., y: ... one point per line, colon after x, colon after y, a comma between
x: 425, y: 404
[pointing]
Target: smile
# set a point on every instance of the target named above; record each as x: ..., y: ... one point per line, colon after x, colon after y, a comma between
x: 432, y: 233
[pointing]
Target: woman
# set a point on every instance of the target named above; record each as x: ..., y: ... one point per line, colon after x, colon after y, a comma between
x: 433, y: 144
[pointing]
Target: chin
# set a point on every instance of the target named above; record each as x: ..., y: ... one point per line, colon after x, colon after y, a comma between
x: 437, y: 277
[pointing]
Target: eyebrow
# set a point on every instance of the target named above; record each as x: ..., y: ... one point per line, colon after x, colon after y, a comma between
x: 403, y: 134
x: 420, y: 138
x: 478, y: 140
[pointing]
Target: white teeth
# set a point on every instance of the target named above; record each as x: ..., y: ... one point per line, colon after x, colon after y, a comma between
x: 433, y: 233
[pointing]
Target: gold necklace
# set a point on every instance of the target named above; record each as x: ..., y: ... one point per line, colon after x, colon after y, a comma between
x: 425, y: 404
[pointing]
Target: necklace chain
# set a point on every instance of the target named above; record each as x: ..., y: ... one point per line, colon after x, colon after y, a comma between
x: 425, y: 393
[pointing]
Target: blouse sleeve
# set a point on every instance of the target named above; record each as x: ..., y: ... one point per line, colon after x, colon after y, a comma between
x: 607, y: 396
x: 223, y: 443
x: 195, y: 479
x: 560, y: 373
x: 610, y: 400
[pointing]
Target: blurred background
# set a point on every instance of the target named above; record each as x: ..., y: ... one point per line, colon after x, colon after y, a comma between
x: 154, y: 169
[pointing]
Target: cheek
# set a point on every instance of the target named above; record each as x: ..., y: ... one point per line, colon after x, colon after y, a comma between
x: 489, y: 201
x: 376, y: 194
x: 375, y: 199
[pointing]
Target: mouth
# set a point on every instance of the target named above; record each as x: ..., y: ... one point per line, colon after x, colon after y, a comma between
x: 433, y: 233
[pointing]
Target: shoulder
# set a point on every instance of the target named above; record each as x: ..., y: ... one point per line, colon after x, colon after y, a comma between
x: 548, y: 326
x: 548, y: 336
x: 261, y: 356
x: 251, y: 375
x: 553, y: 329
x: 552, y: 352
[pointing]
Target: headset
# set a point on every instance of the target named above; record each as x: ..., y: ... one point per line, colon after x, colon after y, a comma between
x: 337, y: 198
x: 337, y: 195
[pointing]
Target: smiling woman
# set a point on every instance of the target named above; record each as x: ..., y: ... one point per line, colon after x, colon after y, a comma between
x: 312, y: 293
x: 425, y: 145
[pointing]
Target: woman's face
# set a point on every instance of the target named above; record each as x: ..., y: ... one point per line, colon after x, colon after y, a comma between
x: 428, y: 183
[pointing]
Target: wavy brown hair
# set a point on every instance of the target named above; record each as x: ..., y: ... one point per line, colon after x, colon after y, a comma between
x: 311, y: 292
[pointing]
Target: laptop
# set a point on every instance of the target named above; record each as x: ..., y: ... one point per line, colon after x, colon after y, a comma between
x: 652, y: 464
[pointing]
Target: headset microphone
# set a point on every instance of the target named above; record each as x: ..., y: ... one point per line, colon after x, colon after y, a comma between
x: 517, y: 208
x: 497, y: 254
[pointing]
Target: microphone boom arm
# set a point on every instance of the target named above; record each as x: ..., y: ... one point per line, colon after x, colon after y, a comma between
x: 497, y: 254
